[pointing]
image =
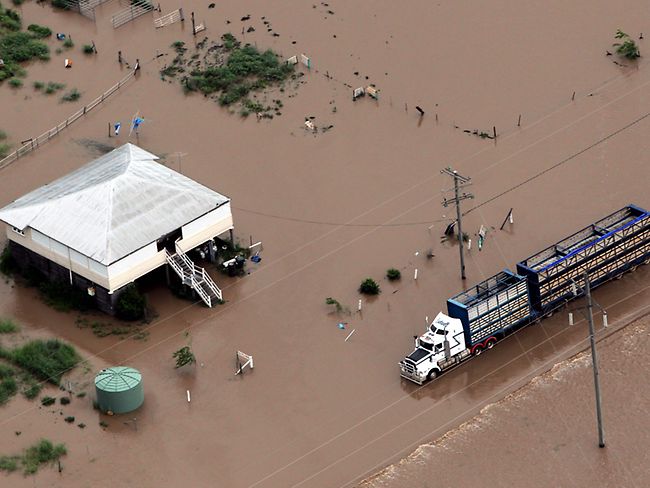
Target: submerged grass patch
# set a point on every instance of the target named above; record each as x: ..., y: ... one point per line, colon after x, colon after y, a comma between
x: 8, y: 326
x: 229, y: 72
x: 8, y: 384
x: 42, y: 453
x: 17, y: 46
x: 46, y: 360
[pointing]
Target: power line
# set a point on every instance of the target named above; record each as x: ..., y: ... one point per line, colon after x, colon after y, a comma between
x: 338, y: 224
x: 556, y: 165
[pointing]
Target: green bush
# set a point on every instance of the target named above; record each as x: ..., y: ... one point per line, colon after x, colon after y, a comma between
x: 69, y: 419
x: 38, y: 85
x: 4, y: 150
x: 393, y: 274
x: 17, y: 2
x: 72, y: 96
x: 245, y: 70
x: 3, y: 135
x: 369, y: 287
x: 47, y: 401
x: 88, y: 49
x: 53, y: 87
x: 17, y: 47
x: 184, y: 356
x: 8, y: 385
x: 58, y: 294
x: 64, y: 400
x: 7, y: 262
x: 333, y: 301
x: 627, y: 48
x: 31, y: 389
x: 39, y: 31
x: 15, y: 82
x: 130, y: 304
x: 9, y: 19
x: 229, y: 41
x: 68, y: 44
x: 9, y: 463
x: 47, y: 360
x: 8, y: 326
x: 44, y: 452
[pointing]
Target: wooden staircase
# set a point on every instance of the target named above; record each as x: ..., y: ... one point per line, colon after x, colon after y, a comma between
x: 194, y: 276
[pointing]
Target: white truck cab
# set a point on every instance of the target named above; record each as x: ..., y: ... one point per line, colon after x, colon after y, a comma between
x: 440, y: 347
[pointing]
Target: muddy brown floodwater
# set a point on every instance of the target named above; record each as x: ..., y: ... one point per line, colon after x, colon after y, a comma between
x: 335, y: 208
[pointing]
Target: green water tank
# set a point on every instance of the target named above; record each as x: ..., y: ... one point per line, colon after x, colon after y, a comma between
x: 119, y: 389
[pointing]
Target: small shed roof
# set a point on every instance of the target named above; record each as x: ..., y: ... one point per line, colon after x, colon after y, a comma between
x: 113, y: 205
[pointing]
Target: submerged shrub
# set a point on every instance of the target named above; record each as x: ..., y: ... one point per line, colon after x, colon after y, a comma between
x: 39, y: 31
x: 627, y: 48
x: 369, y: 287
x: 72, y: 96
x: 393, y: 274
x: 130, y: 304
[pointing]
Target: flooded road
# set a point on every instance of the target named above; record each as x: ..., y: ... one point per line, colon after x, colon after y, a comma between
x: 333, y: 209
x: 545, y: 434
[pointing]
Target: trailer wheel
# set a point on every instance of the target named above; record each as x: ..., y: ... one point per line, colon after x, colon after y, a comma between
x: 432, y: 375
x: 490, y: 343
x: 477, y: 350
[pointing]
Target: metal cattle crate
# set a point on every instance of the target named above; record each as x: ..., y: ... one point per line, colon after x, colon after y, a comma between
x: 605, y: 249
x: 491, y: 307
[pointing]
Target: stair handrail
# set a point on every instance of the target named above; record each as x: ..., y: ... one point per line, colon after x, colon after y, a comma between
x: 204, y: 296
x: 198, y: 270
x: 210, y: 282
x: 174, y: 264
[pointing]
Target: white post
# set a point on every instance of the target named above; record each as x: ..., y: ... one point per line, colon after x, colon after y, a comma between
x: 605, y: 319
x: 415, y: 275
x: 188, y: 396
x: 359, y: 309
x: 512, y: 221
x: 570, y: 318
x: 349, y: 335
x: 469, y: 244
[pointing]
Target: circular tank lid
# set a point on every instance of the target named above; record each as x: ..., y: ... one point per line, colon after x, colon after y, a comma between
x: 118, y: 378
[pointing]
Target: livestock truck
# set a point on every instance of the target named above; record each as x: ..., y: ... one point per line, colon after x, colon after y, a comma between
x: 482, y: 315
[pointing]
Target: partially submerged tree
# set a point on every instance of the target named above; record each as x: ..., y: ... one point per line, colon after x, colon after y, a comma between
x: 184, y: 356
x: 627, y: 47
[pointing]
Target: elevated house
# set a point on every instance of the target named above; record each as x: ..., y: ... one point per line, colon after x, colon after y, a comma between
x: 114, y: 220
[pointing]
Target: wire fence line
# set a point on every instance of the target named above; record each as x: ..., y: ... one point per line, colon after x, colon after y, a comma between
x: 34, y: 143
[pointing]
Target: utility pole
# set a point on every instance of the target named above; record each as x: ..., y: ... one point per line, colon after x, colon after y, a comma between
x: 457, y: 199
x: 594, y: 361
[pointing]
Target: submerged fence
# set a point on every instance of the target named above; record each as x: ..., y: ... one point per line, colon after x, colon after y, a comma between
x: 132, y: 12
x: 34, y: 143
x: 84, y: 7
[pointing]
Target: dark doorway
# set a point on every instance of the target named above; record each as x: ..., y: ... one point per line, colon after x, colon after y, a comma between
x: 169, y: 241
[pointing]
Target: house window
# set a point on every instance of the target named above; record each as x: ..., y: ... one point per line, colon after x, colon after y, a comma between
x: 18, y: 231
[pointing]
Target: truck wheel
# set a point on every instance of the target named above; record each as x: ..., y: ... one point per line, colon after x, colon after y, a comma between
x: 477, y: 351
x: 491, y: 342
x: 432, y: 375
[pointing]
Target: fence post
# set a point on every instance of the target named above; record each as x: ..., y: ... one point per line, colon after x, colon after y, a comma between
x: 84, y: 110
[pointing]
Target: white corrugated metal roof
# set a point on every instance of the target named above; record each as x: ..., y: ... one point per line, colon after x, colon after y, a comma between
x: 113, y: 205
